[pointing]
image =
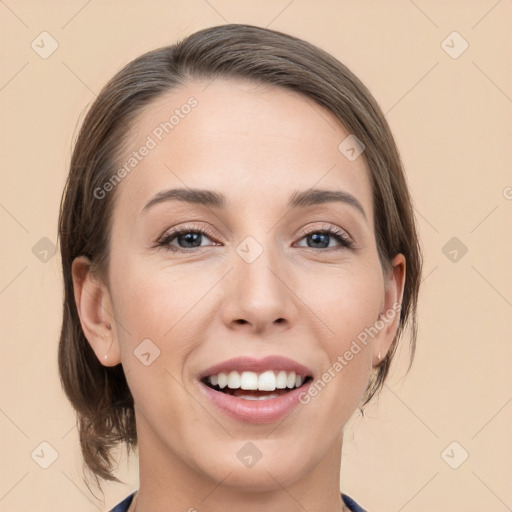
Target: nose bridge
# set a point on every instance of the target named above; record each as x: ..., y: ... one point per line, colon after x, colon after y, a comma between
x: 257, y: 292
x: 256, y: 263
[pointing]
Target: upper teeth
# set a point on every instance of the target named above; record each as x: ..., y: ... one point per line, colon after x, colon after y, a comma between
x: 266, y: 381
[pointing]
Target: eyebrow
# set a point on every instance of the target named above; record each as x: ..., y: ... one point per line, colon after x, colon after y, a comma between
x: 298, y: 199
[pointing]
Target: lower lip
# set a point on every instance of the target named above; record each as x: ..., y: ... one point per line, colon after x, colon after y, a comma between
x: 255, y: 411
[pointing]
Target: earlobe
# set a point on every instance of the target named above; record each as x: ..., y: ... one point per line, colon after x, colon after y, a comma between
x: 94, y: 306
x: 390, y: 316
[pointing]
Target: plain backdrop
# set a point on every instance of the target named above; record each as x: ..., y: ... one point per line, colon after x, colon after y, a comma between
x: 436, y: 439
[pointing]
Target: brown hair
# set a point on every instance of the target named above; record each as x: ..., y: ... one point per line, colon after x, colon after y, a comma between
x: 100, y: 394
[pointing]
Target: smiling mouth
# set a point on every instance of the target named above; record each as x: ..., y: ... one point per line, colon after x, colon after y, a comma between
x: 255, y: 394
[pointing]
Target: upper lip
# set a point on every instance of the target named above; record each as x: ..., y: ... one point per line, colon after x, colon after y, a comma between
x: 251, y: 364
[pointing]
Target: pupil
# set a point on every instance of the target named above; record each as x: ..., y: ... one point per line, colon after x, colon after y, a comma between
x: 320, y: 238
x: 190, y: 238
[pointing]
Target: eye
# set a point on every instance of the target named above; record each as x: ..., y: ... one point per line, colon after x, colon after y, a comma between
x: 186, y: 238
x: 189, y: 238
x: 321, y: 238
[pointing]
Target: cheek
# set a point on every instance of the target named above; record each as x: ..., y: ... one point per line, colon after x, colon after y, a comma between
x: 347, y: 301
x: 349, y: 309
x: 154, y: 335
x: 348, y: 305
x: 158, y: 311
x: 150, y: 301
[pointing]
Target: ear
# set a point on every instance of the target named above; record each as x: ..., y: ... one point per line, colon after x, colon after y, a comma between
x: 94, y: 306
x: 390, y: 315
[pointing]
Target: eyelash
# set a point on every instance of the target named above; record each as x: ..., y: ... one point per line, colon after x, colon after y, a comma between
x: 338, y: 234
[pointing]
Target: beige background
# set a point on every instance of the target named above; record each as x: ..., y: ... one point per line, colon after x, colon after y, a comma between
x: 452, y: 119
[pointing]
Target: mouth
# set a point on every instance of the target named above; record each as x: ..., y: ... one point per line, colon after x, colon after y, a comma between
x: 254, y: 390
x: 250, y: 385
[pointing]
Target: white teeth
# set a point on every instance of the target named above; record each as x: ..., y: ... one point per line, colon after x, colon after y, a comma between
x: 233, y: 380
x: 223, y: 380
x: 265, y: 381
x: 267, y: 397
x: 282, y: 380
x: 248, y: 380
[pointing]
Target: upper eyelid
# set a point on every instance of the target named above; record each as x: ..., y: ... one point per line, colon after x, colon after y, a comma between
x: 327, y: 227
x: 208, y: 231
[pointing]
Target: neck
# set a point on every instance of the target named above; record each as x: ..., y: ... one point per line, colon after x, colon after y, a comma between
x: 170, y: 483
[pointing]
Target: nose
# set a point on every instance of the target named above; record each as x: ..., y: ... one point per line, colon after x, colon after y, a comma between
x: 259, y: 296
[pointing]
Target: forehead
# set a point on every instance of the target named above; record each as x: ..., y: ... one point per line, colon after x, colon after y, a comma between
x: 255, y: 144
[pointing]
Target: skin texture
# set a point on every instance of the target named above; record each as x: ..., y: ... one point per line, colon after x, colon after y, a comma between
x: 256, y: 145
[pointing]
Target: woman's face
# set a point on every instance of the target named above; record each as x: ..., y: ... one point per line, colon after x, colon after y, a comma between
x: 261, y: 280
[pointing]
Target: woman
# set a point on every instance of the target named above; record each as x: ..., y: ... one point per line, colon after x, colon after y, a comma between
x: 240, y: 260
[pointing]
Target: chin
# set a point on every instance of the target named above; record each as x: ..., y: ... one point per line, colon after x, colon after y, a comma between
x: 268, y: 473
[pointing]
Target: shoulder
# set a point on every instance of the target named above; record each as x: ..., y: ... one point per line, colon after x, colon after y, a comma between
x: 123, y: 506
x: 351, y: 504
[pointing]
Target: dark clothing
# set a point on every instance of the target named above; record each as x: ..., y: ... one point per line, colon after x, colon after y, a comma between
x: 349, y: 502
